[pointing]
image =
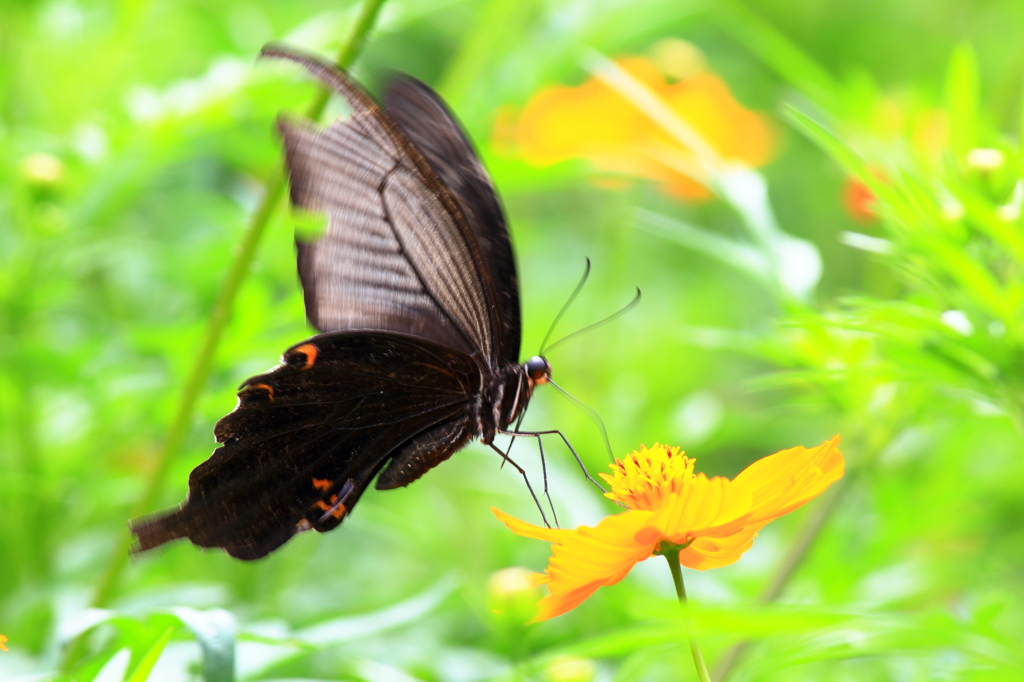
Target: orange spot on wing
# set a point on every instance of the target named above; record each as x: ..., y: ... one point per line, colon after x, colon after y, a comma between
x: 335, y: 508
x: 322, y: 483
x: 310, y: 351
x: 266, y: 387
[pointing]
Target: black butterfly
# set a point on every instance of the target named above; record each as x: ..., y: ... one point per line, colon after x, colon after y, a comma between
x: 413, y: 285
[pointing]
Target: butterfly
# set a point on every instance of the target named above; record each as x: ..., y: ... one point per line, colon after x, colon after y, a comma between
x: 413, y: 288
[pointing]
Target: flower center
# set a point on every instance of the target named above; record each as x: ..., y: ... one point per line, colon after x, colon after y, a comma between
x: 648, y: 476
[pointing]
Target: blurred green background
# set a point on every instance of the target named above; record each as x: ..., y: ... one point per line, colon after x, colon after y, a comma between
x: 135, y: 141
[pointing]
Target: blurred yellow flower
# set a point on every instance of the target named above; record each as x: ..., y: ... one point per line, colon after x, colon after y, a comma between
x: 3, y: 641
x: 617, y: 133
x: 714, y: 520
x: 570, y: 669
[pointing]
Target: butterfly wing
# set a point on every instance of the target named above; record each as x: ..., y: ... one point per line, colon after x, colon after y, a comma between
x: 308, y: 436
x: 398, y: 253
x: 428, y: 124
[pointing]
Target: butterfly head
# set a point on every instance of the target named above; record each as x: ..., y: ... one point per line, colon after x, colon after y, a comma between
x: 538, y: 369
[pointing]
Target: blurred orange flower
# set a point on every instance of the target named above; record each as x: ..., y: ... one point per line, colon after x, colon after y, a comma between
x: 714, y: 520
x: 619, y: 133
x: 3, y: 640
x: 859, y: 200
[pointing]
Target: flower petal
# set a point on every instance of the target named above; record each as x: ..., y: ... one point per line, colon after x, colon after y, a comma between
x: 717, y: 519
x: 589, y: 121
x: 557, y: 604
x: 528, y: 530
x: 706, y: 552
x: 780, y: 483
x: 701, y: 507
x: 593, y: 121
x: 706, y: 104
x: 606, y: 552
x: 587, y: 558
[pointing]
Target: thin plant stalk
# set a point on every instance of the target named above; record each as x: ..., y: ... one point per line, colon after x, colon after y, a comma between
x: 672, y: 556
x: 219, y: 317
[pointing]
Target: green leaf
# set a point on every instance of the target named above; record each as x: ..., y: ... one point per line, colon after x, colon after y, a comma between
x: 819, y: 133
x: 962, y: 94
x: 309, y: 225
x: 779, y: 52
x: 141, y: 672
x: 215, y: 631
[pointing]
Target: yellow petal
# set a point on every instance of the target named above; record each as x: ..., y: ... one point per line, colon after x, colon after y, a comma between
x: 538, y: 579
x: 557, y: 604
x: 606, y: 552
x: 592, y: 121
x: 528, y: 530
x: 587, y: 558
x: 780, y: 483
x: 702, y: 507
x: 707, y: 552
x: 705, y: 103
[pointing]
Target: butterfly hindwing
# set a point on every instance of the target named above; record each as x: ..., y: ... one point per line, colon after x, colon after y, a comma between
x: 307, y: 438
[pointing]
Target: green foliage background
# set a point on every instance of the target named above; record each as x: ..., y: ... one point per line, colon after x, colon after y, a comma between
x: 110, y: 264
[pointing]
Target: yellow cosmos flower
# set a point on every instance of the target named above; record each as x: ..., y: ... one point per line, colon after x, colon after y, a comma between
x: 714, y: 521
x: 3, y: 640
x: 617, y: 133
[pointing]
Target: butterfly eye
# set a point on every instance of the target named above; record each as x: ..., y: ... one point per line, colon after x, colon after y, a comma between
x: 538, y: 369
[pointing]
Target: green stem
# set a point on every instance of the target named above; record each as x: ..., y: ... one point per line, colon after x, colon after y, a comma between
x: 672, y: 556
x: 219, y: 317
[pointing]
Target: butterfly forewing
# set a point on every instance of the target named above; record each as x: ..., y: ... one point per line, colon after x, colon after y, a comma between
x: 356, y: 276
x: 431, y: 128
x: 374, y: 185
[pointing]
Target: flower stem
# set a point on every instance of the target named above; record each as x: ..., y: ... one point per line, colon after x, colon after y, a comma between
x: 672, y: 556
x: 218, y: 320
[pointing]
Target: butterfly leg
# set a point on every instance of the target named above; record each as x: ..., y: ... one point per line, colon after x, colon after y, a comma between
x: 512, y: 440
x: 522, y: 472
x: 543, y: 465
x: 544, y: 473
x: 538, y: 434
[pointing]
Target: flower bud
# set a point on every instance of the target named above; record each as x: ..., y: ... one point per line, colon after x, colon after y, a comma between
x: 41, y: 169
x: 992, y: 172
x: 985, y: 160
x: 512, y: 594
x: 678, y: 59
x: 570, y: 669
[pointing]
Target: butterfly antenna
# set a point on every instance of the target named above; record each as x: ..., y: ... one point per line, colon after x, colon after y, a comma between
x: 629, y: 306
x: 590, y: 412
x: 572, y: 297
